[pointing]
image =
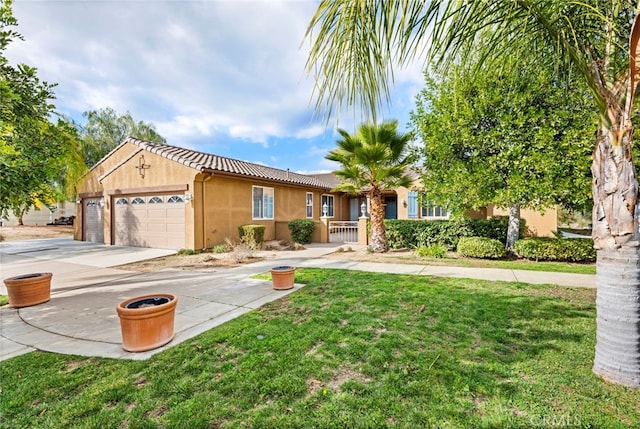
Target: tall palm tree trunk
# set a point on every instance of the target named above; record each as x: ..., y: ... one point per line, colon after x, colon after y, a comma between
x: 615, y: 233
x: 378, y: 236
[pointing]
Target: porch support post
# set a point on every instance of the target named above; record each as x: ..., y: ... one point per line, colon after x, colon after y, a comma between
x: 363, y: 237
x: 324, y: 229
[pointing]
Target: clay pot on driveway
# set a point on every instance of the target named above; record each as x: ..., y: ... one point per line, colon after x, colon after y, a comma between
x: 28, y: 289
x: 283, y: 277
x: 147, y: 321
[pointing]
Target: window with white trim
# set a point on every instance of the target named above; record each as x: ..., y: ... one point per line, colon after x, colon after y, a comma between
x: 327, y: 202
x: 262, y: 202
x: 431, y: 211
x: 309, y: 204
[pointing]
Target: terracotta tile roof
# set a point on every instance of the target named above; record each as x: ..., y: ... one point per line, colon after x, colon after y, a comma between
x: 205, y: 161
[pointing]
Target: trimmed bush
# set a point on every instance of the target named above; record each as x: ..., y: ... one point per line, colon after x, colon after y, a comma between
x: 481, y: 247
x: 556, y: 249
x: 402, y: 233
x: 301, y: 230
x: 252, y: 235
x: 432, y: 251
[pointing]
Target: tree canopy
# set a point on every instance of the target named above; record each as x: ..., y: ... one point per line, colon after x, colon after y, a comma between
x: 105, y: 129
x: 505, y: 138
x: 35, y: 153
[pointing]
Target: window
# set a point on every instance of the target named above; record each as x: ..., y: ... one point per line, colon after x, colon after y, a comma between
x: 262, y: 202
x: 155, y: 200
x: 430, y: 211
x: 309, y: 204
x: 137, y: 200
x: 122, y: 202
x: 412, y: 205
x: 327, y: 202
x: 91, y: 203
x: 175, y: 199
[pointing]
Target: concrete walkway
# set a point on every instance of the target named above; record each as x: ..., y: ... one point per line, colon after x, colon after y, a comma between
x: 81, y: 318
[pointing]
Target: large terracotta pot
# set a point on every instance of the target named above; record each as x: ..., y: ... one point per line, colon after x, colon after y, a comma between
x: 28, y: 289
x: 147, y: 321
x: 283, y: 277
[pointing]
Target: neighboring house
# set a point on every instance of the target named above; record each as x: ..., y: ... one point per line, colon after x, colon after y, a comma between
x: 42, y: 215
x: 155, y: 195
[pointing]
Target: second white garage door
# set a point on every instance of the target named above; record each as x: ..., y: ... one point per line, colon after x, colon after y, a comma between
x: 150, y: 221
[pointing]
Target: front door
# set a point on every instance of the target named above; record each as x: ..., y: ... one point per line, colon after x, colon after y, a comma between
x: 390, y: 207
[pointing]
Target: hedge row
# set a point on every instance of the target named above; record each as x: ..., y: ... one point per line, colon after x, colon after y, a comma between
x: 403, y: 233
x: 556, y: 249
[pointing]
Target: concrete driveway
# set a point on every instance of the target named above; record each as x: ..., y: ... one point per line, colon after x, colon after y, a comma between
x: 81, y: 316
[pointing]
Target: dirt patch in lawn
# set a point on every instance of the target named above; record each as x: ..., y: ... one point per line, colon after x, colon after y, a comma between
x: 208, y: 261
x: 28, y: 232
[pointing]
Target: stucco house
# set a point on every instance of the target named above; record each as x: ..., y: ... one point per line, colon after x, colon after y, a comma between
x: 156, y: 195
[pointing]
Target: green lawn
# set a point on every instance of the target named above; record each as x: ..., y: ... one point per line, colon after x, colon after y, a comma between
x: 350, y: 350
x: 518, y: 264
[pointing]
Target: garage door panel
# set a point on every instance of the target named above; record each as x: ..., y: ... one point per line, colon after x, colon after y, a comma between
x: 93, y: 215
x: 152, y: 221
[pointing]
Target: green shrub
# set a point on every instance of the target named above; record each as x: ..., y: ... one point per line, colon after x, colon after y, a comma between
x: 252, y: 235
x: 301, y: 230
x: 221, y: 248
x: 556, y: 249
x: 403, y: 233
x: 481, y: 247
x: 185, y: 252
x: 432, y: 251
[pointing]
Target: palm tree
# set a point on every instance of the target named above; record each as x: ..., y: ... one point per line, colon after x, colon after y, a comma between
x: 374, y: 159
x: 358, y: 43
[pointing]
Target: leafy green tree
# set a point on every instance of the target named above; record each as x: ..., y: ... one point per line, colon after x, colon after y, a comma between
x: 505, y: 138
x: 33, y: 150
x: 105, y: 129
x: 372, y: 160
x: 358, y: 43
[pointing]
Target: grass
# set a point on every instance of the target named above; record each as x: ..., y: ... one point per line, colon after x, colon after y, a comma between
x: 349, y: 350
x: 520, y: 264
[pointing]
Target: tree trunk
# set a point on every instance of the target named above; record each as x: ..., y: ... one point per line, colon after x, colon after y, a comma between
x: 20, y: 217
x: 513, y: 229
x: 378, y: 233
x: 615, y: 234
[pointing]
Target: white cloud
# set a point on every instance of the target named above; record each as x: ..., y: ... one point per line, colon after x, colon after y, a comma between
x: 229, y: 71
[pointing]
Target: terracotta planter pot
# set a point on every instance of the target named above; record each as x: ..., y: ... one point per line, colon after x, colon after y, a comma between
x: 147, y: 321
x: 28, y: 289
x: 283, y: 277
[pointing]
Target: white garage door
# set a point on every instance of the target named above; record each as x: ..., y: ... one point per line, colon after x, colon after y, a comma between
x: 93, y: 216
x: 150, y: 221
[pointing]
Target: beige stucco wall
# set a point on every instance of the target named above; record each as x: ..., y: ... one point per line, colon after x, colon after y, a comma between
x: 228, y: 203
x: 123, y: 178
x: 538, y: 224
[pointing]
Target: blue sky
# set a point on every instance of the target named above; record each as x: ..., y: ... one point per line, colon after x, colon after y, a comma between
x: 224, y: 77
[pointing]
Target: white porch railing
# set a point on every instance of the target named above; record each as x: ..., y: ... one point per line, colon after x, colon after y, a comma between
x: 343, y: 231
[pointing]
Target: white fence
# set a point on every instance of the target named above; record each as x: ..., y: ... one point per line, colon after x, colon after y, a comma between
x: 343, y: 231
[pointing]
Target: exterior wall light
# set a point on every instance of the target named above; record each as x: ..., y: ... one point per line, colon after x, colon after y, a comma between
x: 325, y: 210
x: 363, y: 209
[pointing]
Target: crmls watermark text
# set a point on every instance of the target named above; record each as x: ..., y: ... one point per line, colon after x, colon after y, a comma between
x: 556, y: 420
